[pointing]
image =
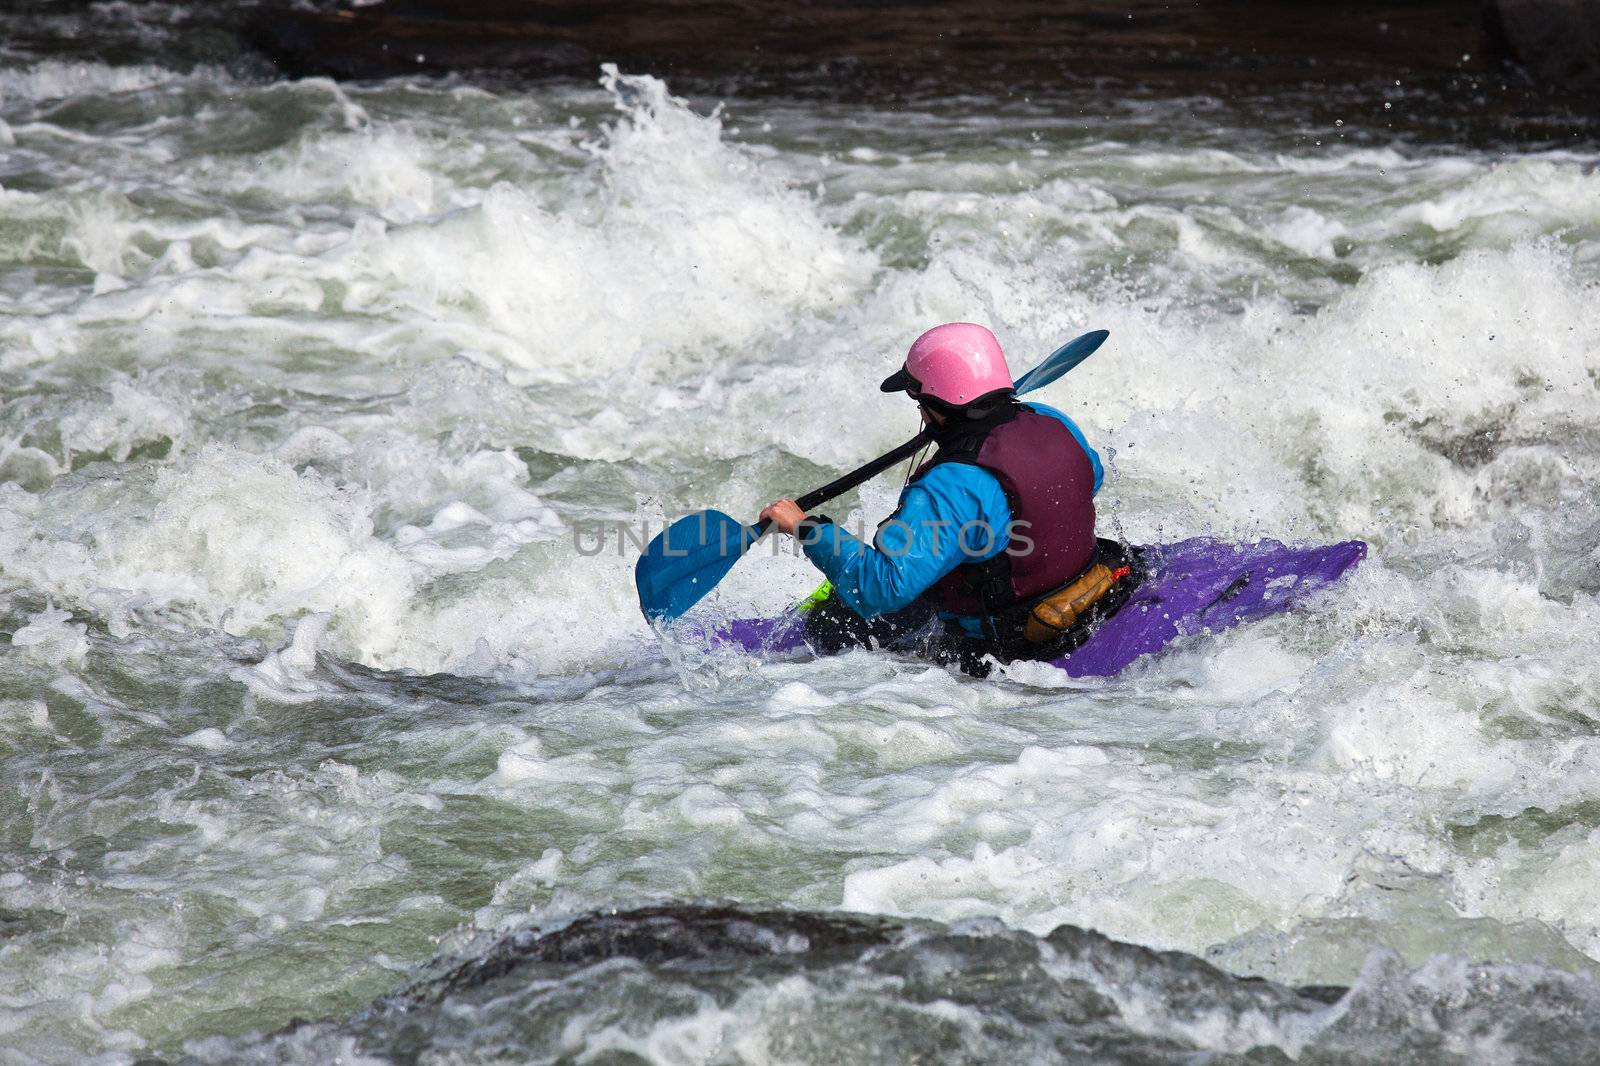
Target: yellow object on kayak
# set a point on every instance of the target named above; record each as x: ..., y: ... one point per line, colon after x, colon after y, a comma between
x: 823, y: 591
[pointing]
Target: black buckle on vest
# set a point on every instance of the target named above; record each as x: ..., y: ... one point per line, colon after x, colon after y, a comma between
x: 989, y: 582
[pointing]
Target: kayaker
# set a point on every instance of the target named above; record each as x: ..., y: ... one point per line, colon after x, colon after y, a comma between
x: 994, y: 535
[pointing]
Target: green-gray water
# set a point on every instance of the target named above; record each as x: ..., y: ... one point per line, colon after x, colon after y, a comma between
x: 305, y: 388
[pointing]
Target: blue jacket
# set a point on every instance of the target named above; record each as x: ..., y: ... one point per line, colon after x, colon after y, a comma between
x: 919, y: 544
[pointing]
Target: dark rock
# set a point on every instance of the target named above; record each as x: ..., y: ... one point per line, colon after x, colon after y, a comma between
x: 827, y: 988
x: 670, y: 933
x: 876, y: 45
x: 1557, y: 41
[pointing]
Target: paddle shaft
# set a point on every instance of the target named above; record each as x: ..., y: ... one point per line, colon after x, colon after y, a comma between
x: 685, y: 561
x: 1061, y: 360
x: 862, y: 474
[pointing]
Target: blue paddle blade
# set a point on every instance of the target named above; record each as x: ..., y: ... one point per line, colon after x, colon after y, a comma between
x: 687, y: 559
x: 1061, y: 360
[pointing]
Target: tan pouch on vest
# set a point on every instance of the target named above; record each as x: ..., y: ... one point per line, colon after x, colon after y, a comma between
x: 1059, y: 611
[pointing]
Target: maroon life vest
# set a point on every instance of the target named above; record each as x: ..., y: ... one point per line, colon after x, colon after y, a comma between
x: 1049, y: 483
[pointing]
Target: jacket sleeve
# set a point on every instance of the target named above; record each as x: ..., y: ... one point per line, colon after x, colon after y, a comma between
x: 919, y: 544
x: 1077, y: 434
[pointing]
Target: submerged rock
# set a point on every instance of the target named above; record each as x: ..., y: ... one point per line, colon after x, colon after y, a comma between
x: 722, y: 984
x: 664, y: 934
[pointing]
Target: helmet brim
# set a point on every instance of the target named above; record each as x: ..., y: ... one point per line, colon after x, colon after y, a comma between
x: 900, y: 381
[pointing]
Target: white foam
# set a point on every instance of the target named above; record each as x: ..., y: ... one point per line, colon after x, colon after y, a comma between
x: 33, y: 714
x: 133, y: 417
x: 1516, y: 200
x: 55, y: 79
x: 208, y: 739
x: 1308, y: 232
x: 386, y: 169
x: 51, y: 634
x: 692, y: 245
x: 284, y: 676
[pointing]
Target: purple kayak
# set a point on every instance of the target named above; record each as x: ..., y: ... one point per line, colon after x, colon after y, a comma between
x: 1195, y: 586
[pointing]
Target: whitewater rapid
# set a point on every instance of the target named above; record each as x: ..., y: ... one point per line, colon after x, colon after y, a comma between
x: 307, y: 389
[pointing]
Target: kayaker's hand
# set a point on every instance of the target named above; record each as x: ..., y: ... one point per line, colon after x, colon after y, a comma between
x: 785, y: 514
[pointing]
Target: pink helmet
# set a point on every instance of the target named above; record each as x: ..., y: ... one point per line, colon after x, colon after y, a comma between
x: 955, y: 363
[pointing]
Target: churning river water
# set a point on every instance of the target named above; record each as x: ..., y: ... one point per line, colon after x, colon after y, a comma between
x: 308, y: 390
